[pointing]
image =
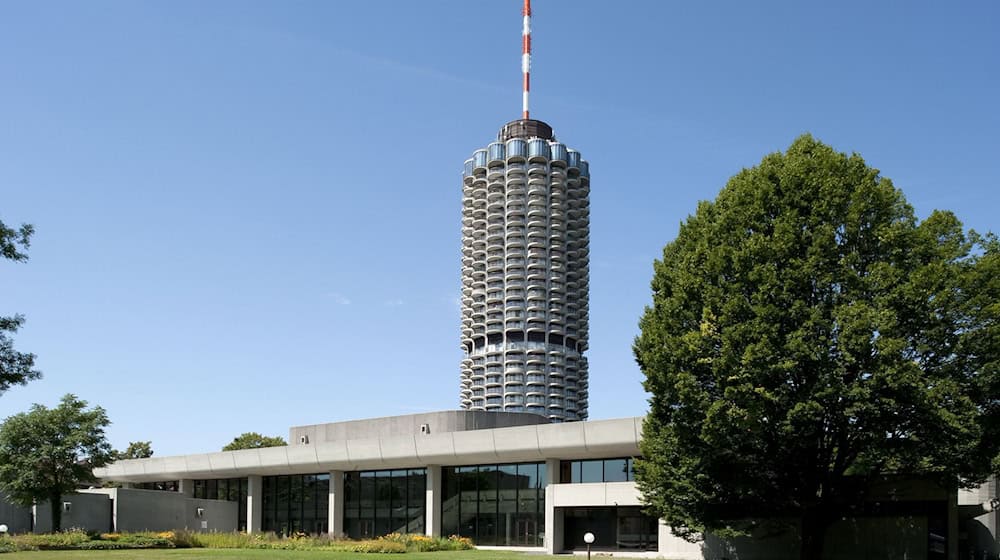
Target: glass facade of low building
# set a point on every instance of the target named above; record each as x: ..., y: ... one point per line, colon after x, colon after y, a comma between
x: 500, y: 505
x: 377, y: 503
x: 228, y: 489
x: 597, y: 470
x: 294, y: 504
x: 614, y: 528
x: 160, y: 486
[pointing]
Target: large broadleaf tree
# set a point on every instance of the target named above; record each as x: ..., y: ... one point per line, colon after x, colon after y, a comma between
x: 47, y: 453
x: 809, y: 335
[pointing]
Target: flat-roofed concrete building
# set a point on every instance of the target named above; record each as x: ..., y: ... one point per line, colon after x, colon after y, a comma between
x: 501, y: 479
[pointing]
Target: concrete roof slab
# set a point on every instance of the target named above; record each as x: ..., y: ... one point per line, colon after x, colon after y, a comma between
x: 475, y: 445
x: 435, y: 448
x: 198, y: 463
x: 302, y: 456
x: 611, y: 436
x: 333, y: 453
x: 362, y: 451
x: 557, y: 440
x: 246, y: 459
x: 399, y: 448
x: 222, y: 462
x: 519, y: 441
x: 273, y: 458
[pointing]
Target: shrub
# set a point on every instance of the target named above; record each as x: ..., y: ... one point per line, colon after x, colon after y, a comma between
x: 144, y: 540
x: 381, y: 545
x: 460, y: 543
x: 66, y: 540
x: 104, y: 545
x: 7, y: 544
x: 181, y: 538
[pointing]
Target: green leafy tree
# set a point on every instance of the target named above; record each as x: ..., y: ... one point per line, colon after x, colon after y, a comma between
x: 136, y: 450
x: 47, y: 453
x: 808, y: 335
x: 16, y: 368
x: 253, y: 440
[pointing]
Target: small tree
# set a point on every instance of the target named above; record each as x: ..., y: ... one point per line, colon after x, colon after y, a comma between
x: 253, y: 440
x: 808, y: 335
x: 136, y: 450
x: 47, y: 453
x: 16, y: 368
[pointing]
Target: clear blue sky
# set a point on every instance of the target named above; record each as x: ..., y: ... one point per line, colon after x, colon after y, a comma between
x: 248, y: 213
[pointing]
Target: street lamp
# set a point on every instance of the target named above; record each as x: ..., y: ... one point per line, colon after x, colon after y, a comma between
x: 588, y: 538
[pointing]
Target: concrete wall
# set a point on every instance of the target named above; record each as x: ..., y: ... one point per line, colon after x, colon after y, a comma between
x: 596, y: 494
x: 16, y: 518
x: 152, y: 510
x: 980, y: 529
x: 88, y: 511
x: 435, y: 422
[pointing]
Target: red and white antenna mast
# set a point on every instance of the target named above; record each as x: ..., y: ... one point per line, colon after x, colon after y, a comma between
x: 526, y: 57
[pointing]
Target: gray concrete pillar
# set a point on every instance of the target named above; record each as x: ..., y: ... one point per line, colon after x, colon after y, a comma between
x: 433, y: 505
x: 186, y: 486
x: 255, y: 503
x: 553, y: 517
x: 335, y: 514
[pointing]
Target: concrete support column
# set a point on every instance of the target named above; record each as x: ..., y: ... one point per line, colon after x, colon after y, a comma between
x: 186, y: 486
x: 435, y: 491
x: 553, y: 517
x: 335, y: 515
x: 255, y: 503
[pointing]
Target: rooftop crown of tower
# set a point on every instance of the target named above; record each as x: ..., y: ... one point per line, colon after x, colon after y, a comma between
x: 525, y: 128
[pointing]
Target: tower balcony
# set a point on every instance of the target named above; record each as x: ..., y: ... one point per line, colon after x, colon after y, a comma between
x: 537, y: 211
x: 537, y: 378
x: 517, y: 149
x: 495, y: 153
x: 558, y: 154
x: 538, y: 150
x: 479, y: 160
x: 537, y: 222
x: 516, y: 171
x: 515, y: 214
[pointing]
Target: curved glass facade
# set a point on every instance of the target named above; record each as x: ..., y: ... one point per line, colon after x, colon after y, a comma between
x: 498, y: 505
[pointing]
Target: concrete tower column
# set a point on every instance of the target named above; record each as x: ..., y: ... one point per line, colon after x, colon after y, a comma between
x: 255, y: 503
x: 186, y: 486
x: 433, y: 504
x: 336, y: 512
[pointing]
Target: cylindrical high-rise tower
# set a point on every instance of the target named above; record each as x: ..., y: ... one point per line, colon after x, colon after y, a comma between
x: 525, y: 275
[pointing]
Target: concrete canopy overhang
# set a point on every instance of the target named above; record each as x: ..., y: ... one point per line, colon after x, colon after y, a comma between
x: 571, y: 440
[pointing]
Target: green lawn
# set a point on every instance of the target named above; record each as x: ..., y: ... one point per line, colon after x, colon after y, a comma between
x: 239, y: 554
